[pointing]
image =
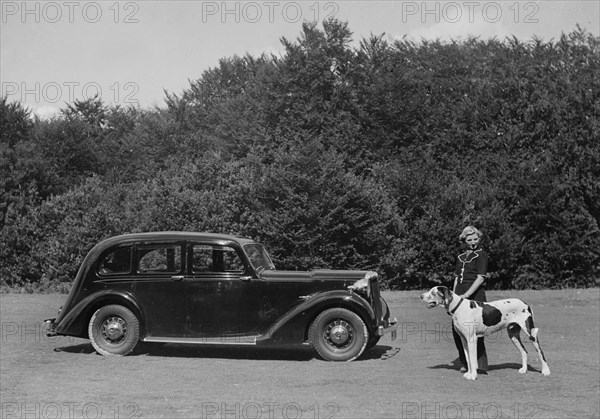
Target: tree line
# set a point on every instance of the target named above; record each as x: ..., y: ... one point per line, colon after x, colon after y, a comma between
x: 335, y: 154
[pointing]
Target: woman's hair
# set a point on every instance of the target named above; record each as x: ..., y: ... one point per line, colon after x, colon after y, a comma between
x: 467, y: 231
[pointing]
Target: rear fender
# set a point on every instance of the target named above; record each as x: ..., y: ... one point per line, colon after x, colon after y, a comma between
x: 75, y: 322
x: 293, y: 326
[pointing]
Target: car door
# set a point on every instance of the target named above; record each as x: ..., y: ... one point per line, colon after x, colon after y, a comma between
x: 221, y: 300
x: 159, y: 288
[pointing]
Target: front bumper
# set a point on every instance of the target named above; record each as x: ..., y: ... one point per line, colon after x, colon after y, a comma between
x: 391, y: 328
x: 51, y: 331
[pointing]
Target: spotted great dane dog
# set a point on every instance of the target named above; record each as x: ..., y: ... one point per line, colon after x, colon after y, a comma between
x: 473, y: 319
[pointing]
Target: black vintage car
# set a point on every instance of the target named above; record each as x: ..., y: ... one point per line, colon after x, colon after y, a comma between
x: 202, y: 288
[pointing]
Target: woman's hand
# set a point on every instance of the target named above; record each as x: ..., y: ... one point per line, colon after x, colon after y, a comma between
x: 473, y: 288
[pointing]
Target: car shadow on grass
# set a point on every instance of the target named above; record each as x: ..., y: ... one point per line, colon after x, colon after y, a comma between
x: 275, y: 353
x: 379, y: 352
x: 194, y: 351
x: 82, y: 348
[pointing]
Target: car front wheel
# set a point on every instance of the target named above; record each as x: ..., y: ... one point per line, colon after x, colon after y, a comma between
x: 338, y: 334
x: 114, y: 330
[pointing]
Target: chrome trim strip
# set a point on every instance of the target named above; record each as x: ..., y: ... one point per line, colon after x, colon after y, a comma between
x: 227, y: 340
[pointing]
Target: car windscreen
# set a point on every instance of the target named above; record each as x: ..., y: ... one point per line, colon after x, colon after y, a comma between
x: 259, y: 258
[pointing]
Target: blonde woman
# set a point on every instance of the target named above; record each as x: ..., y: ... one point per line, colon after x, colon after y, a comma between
x: 469, y: 282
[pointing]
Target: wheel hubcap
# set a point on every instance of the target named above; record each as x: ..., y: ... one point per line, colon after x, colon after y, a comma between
x: 114, y: 329
x: 339, y: 334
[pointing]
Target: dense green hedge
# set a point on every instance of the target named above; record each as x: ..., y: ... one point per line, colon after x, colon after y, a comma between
x: 367, y: 157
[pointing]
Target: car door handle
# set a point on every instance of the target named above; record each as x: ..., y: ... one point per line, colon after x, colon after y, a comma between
x: 177, y: 277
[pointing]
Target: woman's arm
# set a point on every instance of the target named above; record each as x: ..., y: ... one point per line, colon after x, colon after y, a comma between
x: 473, y: 288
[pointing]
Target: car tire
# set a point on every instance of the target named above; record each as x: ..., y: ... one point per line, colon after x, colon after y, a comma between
x: 114, y: 330
x: 338, y: 334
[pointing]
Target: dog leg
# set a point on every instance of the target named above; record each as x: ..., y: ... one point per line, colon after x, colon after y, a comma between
x: 536, y: 344
x: 545, y: 367
x: 465, y: 350
x: 514, y: 333
x: 470, y: 345
x: 532, y: 331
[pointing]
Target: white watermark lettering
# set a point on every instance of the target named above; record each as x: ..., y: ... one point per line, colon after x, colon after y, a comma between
x: 267, y: 11
x: 454, y: 410
x: 68, y: 91
x: 469, y: 11
x: 69, y: 12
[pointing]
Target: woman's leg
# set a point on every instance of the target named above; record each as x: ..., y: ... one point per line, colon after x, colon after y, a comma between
x: 482, y: 361
x: 459, y: 346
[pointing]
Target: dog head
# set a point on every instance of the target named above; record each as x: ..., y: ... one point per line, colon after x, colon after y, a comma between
x: 437, y: 296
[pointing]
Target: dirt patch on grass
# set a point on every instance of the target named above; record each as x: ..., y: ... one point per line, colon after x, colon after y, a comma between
x: 412, y: 377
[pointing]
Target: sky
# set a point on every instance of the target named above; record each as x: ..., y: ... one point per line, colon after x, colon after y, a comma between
x: 131, y: 52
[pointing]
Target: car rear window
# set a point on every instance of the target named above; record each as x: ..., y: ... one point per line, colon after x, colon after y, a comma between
x: 116, y: 261
x: 159, y: 259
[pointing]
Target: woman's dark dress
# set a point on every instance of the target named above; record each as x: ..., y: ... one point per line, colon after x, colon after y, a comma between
x: 468, y: 266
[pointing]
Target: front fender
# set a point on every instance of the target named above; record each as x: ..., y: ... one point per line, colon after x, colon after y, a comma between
x: 293, y: 325
x: 75, y: 322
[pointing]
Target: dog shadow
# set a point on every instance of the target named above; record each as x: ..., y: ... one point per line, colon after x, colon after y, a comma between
x: 512, y: 366
x: 291, y: 353
x: 456, y: 364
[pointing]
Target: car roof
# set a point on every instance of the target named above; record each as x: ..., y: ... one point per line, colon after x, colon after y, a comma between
x: 157, y: 236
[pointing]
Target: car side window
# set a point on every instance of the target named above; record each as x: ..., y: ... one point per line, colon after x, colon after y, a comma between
x: 159, y: 259
x: 213, y: 258
x: 117, y: 261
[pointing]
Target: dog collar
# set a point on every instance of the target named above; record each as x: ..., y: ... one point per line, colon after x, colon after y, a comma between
x: 456, y: 308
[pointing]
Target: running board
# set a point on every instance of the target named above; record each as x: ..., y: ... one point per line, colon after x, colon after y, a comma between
x: 223, y: 340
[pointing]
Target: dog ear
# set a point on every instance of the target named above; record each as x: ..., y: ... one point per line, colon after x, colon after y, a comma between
x: 446, y: 295
x: 439, y: 294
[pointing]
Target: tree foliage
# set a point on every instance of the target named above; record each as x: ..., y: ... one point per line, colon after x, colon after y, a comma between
x: 371, y: 156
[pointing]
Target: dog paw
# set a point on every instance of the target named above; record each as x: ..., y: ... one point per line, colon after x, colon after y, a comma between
x: 470, y: 376
x: 546, y: 371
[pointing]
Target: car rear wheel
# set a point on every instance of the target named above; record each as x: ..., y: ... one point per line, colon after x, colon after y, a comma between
x: 338, y: 334
x: 114, y: 330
